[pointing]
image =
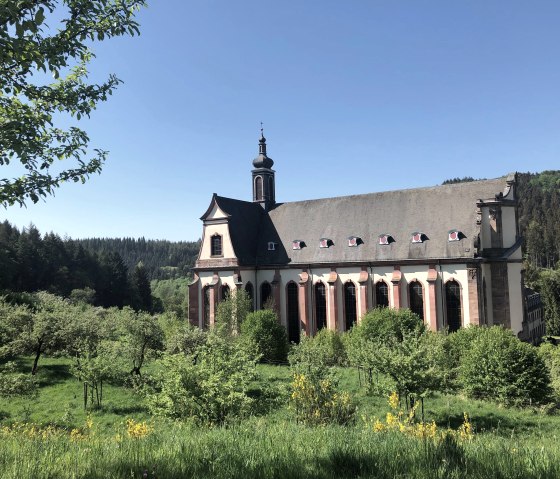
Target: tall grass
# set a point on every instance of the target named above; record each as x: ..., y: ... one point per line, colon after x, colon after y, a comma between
x: 255, y: 449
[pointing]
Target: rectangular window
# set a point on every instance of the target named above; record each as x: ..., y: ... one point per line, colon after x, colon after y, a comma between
x: 216, y: 245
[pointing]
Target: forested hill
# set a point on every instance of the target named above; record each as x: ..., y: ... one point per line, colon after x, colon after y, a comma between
x: 539, y: 217
x: 162, y: 259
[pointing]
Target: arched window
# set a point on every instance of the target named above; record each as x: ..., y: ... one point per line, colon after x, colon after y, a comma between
x: 293, y: 312
x: 270, y: 192
x: 320, y: 306
x: 216, y: 245
x: 382, y: 294
x: 453, y: 305
x: 258, y: 188
x: 251, y: 294
x: 349, y: 304
x: 416, y: 295
x: 266, y: 292
x: 225, y: 292
x: 206, y: 307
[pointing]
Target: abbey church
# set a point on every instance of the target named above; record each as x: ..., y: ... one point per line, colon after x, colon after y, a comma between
x: 450, y: 253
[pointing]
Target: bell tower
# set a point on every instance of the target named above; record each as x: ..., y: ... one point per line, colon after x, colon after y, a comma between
x: 263, y: 177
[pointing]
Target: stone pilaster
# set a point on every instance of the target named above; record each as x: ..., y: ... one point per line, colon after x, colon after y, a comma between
x: 332, y: 319
x: 473, y: 292
x: 303, y: 297
x: 363, y: 281
x: 276, y: 286
x: 432, y: 281
x: 396, y: 282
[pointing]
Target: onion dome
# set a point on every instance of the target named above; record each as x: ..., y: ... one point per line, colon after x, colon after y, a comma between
x: 262, y: 161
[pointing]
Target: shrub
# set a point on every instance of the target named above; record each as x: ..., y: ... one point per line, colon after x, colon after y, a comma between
x: 381, y: 324
x: 316, y: 400
x: 14, y: 383
x: 500, y: 367
x: 550, y: 354
x: 268, y: 335
x: 325, y: 349
x: 212, y: 387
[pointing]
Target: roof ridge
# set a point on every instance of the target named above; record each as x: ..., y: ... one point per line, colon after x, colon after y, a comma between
x: 422, y: 188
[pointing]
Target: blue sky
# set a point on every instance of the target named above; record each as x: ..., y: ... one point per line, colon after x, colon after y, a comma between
x: 355, y: 96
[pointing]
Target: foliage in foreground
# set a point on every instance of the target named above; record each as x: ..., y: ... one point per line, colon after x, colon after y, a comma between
x: 52, y: 37
x: 211, y: 385
x: 497, y: 366
x: 258, y: 450
x: 265, y: 331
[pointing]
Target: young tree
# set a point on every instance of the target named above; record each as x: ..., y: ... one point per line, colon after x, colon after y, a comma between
x: 43, y: 331
x: 232, y: 311
x: 52, y: 37
x: 141, y: 335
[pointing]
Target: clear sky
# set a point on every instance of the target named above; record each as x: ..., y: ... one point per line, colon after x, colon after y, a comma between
x: 356, y: 96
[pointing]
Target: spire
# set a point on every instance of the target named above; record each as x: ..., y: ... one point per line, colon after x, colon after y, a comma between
x: 262, y: 161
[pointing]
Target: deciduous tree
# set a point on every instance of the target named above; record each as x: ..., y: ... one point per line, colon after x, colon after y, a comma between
x: 41, y: 39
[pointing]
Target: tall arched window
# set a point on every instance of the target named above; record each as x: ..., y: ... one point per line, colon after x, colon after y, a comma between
x: 293, y: 312
x: 250, y: 293
x: 266, y: 292
x: 382, y: 294
x: 320, y: 306
x: 270, y: 188
x: 206, y: 307
x: 258, y: 188
x: 416, y: 295
x: 225, y: 292
x: 453, y: 305
x: 350, y: 304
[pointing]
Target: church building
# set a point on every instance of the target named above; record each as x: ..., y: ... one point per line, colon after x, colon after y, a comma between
x: 450, y: 253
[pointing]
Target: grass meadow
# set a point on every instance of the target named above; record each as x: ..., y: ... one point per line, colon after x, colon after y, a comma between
x: 51, y: 436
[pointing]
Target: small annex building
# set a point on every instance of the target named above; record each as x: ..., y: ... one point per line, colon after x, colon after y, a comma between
x: 450, y: 253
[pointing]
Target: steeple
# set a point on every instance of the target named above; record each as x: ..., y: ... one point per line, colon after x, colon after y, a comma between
x: 262, y: 161
x: 263, y: 177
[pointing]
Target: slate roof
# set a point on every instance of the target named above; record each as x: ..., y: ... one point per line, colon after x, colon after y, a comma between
x: 433, y: 211
x: 244, y: 225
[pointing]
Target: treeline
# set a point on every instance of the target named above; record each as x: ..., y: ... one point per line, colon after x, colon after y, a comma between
x: 162, y: 259
x: 539, y: 217
x: 32, y: 262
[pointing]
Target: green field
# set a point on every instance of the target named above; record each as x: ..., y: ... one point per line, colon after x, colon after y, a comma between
x: 508, y: 443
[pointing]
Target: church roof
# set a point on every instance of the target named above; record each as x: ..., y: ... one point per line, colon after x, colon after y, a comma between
x: 433, y: 213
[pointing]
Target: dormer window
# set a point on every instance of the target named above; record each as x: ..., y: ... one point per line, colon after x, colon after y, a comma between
x: 325, y: 243
x: 271, y: 246
x: 418, y: 237
x: 455, y: 235
x: 298, y: 244
x: 216, y: 245
x: 354, y: 241
x: 386, y: 239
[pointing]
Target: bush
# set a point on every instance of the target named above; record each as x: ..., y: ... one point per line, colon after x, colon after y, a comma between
x: 317, y: 401
x: 382, y: 324
x: 212, y: 388
x: 550, y: 354
x: 498, y: 366
x: 268, y: 335
x: 325, y: 349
